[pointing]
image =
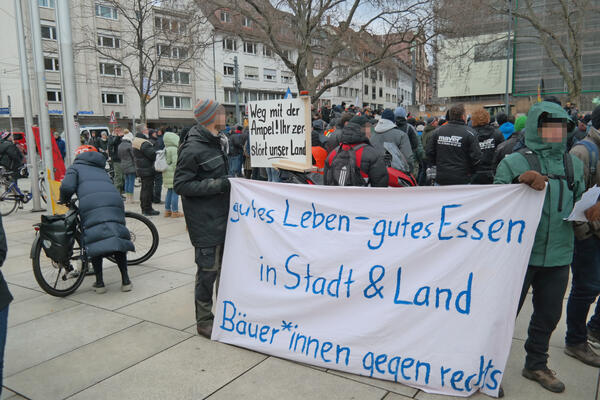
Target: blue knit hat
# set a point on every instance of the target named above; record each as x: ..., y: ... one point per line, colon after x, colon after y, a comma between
x: 400, y: 112
x: 388, y: 114
x: 205, y: 111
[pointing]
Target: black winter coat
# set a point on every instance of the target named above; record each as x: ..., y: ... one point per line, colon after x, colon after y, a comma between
x: 489, y: 138
x: 508, y: 147
x: 5, y: 296
x: 126, y: 156
x: 201, y: 181
x: 372, y: 162
x: 144, y: 155
x: 113, y: 147
x: 100, y: 206
x: 10, y: 156
x: 454, y: 150
x: 236, y: 143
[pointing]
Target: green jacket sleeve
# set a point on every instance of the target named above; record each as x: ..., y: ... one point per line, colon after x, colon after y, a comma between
x: 504, y: 172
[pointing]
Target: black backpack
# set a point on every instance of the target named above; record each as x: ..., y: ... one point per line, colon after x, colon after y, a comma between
x: 569, y: 177
x: 344, y: 166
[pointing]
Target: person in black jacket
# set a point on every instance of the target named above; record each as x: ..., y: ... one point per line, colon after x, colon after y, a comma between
x: 489, y: 138
x: 237, y: 139
x: 11, y: 157
x: 101, y: 211
x: 454, y: 150
x: 156, y: 137
x: 5, y: 299
x: 144, y: 155
x: 113, y: 153
x: 201, y: 179
x: 372, y: 165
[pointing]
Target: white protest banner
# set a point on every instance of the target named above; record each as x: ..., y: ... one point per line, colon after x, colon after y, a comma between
x: 280, y: 132
x: 414, y: 285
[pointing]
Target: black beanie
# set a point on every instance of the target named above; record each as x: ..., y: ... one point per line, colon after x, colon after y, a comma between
x: 359, y: 120
x: 596, y: 117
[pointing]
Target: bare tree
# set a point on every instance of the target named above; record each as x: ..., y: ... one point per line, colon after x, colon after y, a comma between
x: 559, y: 27
x: 156, y: 40
x: 333, y: 40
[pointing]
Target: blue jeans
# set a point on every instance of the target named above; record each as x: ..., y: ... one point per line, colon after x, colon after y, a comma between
x: 3, y: 326
x: 172, y: 201
x: 273, y: 175
x: 235, y: 165
x: 585, y: 289
x: 129, y: 183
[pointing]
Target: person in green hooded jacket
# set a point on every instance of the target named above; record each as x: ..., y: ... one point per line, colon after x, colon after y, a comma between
x: 171, y: 141
x: 552, y: 253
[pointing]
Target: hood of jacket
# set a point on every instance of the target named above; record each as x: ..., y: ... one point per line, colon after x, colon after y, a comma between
x: 353, y: 133
x: 532, y: 139
x: 171, y: 139
x: 507, y: 129
x: 384, y: 125
x: 92, y: 158
x: 485, y: 131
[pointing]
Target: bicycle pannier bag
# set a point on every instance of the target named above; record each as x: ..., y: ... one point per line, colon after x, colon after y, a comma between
x: 57, y: 233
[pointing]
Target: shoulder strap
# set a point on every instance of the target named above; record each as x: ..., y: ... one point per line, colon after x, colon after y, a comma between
x: 593, y: 154
x: 570, y: 174
x: 358, y: 151
x: 532, y: 159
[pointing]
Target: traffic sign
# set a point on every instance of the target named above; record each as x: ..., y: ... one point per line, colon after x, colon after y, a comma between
x: 113, y: 120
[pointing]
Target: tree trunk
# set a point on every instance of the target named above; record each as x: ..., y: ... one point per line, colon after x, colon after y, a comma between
x: 143, y: 109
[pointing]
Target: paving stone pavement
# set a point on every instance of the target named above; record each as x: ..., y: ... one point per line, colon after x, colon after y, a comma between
x: 142, y: 344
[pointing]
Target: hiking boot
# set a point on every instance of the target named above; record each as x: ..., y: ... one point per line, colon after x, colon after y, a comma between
x: 584, y: 353
x: 204, y: 329
x: 546, y: 378
x: 126, y: 287
x: 593, y: 337
x: 99, y: 287
x: 176, y: 214
x: 150, y: 213
x: 168, y: 213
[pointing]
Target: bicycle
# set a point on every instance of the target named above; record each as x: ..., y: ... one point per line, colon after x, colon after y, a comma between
x: 12, y: 196
x: 62, y: 279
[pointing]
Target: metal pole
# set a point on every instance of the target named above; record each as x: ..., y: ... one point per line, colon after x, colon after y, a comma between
x: 44, y: 119
x: 10, y: 116
x: 414, y: 77
x: 67, y: 71
x: 27, y: 112
x: 237, y: 90
x: 506, y: 94
x: 214, y: 67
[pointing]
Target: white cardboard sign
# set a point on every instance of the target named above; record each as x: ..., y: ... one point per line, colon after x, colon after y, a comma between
x: 413, y: 285
x: 278, y: 131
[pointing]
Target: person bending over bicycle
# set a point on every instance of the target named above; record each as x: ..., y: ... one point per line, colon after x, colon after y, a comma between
x: 101, y: 211
x: 11, y: 157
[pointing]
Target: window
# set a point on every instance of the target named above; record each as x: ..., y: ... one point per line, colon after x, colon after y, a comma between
x: 247, y: 22
x: 380, y: 76
x: 109, y: 41
x: 110, y: 69
x: 229, y: 96
x: 380, y: 92
x: 229, y: 44
x: 267, y: 51
x: 179, y: 52
x: 287, y: 77
x: 366, y: 89
x: 176, y: 102
x: 224, y: 16
x: 339, y: 90
x: 270, y: 75
x: 46, y: 3
x: 250, y: 47
x: 228, y: 70
x: 387, y: 97
x: 183, y: 78
x: 165, y: 76
x: 327, y: 82
x: 51, y: 64
x: 287, y: 54
x: 251, y: 73
x: 49, y: 32
x: 54, y: 95
x: 106, y: 12
x: 394, y: 98
x: 112, y: 98
x: 163, y: 50
x: 345, y: 92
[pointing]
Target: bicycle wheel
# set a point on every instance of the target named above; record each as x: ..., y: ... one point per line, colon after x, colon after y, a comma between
x: 56, y: 279
x: 9, y: 200
x: 144, y: 236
